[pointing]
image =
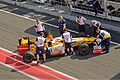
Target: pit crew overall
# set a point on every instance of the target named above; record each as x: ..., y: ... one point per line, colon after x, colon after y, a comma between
x: 40, y: 28
x: 82, y: 26
x: 67, y: 36
x: 61, y: 23
x: 40, y: 45
x: 107, y: 40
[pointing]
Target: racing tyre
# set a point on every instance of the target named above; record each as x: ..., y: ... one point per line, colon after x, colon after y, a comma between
x: 28, y: 56
x: 83, y: 49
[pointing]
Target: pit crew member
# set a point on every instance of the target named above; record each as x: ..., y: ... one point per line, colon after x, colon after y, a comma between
x: 61, y: 24
x: 96, y: 25
x: 40, y: 42
x: 67, y: 39
x: 105, y: 37
x: 81, y: 23
x: 39, y: 27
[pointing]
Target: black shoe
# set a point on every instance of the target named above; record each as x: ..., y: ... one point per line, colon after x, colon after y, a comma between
x: 104, y: 50
x: 44, y: 61
x: 38, y: 62
x: 68, y: 54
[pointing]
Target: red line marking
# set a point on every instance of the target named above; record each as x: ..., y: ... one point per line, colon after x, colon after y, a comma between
x: 37, y: 71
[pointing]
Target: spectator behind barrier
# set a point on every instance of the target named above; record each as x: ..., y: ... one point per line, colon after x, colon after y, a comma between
x: 96, y: 5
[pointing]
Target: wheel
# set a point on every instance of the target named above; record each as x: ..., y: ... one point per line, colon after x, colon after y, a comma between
x: 83, y: 49
x: 28, y: 56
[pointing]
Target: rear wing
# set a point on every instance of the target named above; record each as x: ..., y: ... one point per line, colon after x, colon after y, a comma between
x: 23, y: 45
x: 24, y: 41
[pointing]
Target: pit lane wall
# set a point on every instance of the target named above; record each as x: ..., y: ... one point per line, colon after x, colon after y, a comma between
x: 114, y: 30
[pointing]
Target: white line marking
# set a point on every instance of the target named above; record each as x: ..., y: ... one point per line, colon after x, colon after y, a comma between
x: 41, y: 65
x: 31, y: 66
x: 17, y: 15
x: 115, y: 43
x: 35, y: 20
x: 19, y: 71
x: 49, y: 20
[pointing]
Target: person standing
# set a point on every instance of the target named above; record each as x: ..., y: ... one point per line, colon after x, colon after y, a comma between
x: 81, y: 23
x: 61, y: 24
x: 96, y: 5
x: 67, y: 39
x: 39, y: 27
x: 96, y: 25
x: 40, y: 42
x: 105, y: 37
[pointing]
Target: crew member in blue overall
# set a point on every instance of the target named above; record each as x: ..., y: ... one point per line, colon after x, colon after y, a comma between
x: 105, y: 37
x: 61, y: 24
x: 96, y: 25
x: 67, y: 39
x: 40, y: 42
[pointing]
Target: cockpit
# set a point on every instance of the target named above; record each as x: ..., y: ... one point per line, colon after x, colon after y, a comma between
x: 50, y: 43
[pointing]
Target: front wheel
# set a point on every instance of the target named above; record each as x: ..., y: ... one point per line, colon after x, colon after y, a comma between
x: 28, y: 56
x: 83, y: 49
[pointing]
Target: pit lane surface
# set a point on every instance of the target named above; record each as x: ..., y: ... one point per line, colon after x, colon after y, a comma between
x: 82, y: 67
x: 7, y: 73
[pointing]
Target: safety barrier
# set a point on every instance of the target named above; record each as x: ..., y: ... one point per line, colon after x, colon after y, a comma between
x: 82, y: 7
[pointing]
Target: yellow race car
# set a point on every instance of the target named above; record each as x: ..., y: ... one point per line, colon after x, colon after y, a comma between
x: 27, y: 46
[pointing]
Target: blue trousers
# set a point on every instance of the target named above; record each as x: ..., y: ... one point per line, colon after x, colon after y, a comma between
x: 96, y: 7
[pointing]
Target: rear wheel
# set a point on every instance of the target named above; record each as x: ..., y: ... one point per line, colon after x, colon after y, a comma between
x: 28, y: 56
x: 83, y: 49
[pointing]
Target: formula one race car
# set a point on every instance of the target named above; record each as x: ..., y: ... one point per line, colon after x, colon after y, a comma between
x: 27, y: 46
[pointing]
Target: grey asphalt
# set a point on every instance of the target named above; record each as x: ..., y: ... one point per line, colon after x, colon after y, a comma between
x: 101, y: 67
x: 8, y: 74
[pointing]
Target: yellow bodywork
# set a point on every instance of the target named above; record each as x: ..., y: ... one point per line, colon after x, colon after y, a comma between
x: 81, y: 40
x: 58, y: 42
